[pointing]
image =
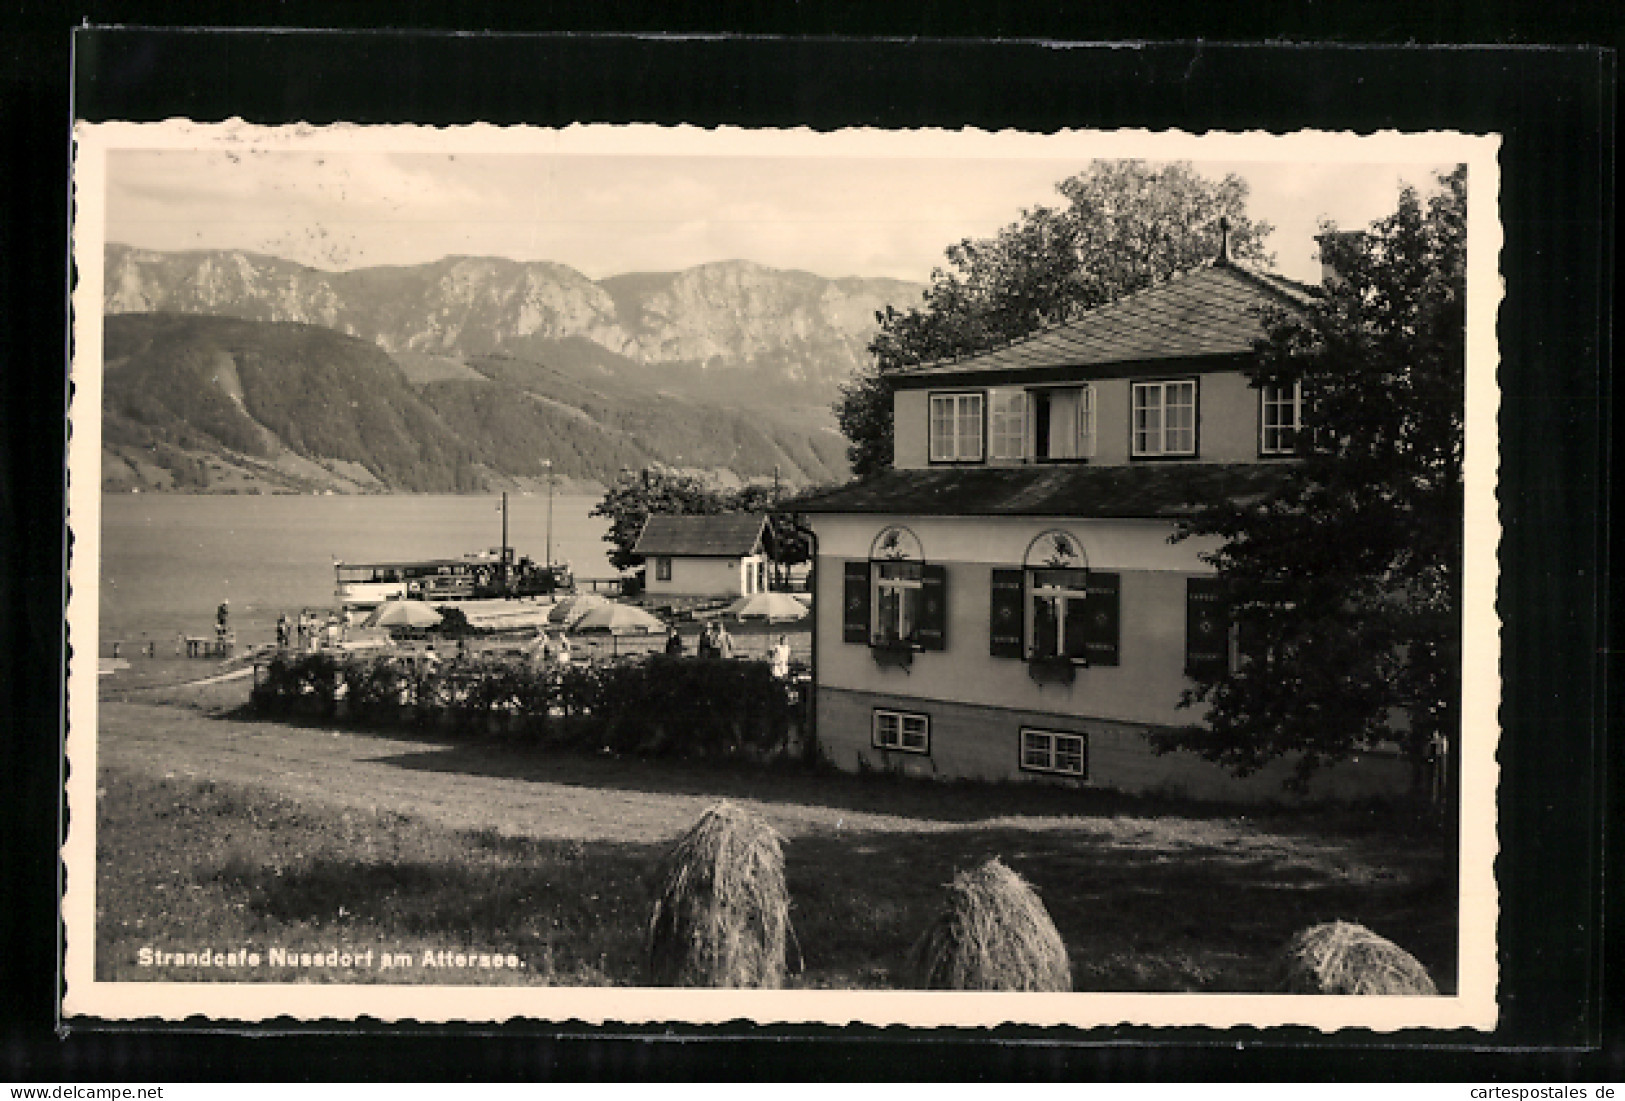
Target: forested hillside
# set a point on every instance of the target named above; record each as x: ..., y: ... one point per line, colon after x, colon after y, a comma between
x: 220, y: 403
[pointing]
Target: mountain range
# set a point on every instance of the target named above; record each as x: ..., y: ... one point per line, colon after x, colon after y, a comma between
x: 236, y: 370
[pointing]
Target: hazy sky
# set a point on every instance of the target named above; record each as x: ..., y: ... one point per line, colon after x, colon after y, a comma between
x: 878, y: 214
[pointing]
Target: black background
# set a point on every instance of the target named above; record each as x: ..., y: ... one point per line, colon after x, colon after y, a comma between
x: 1554, y: 107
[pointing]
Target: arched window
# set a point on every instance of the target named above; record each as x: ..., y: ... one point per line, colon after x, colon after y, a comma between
x: 1054, y: 608
x: 896, y: 600
x: 897, y: 572
x: 1057, y: 597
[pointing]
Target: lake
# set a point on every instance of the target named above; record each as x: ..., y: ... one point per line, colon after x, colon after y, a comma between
x: 169, y: 559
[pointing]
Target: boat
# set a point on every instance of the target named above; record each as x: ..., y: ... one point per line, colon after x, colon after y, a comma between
x: 490, y: 575
x: 486, y: 576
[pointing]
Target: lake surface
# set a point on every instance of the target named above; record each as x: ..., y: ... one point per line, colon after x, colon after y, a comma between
x: 169, y: 559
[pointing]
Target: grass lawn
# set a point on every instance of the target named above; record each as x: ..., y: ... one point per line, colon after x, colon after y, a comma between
x: 272, y: 849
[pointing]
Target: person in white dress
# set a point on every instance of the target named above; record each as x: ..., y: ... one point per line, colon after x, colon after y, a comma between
x: 778, y: 658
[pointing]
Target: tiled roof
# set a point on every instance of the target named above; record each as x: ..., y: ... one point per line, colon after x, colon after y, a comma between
x: 1160, y: 491
x: 729, y: 535
x: 1208, y: 311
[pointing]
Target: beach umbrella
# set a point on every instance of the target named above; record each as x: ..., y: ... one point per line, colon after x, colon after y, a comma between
x: 773, y: 607
x: 403, y: 613
x: 573, y: 607
x: 618, y: 619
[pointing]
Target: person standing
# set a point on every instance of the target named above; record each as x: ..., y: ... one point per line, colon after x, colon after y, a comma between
x: 724, y: 642
x: 674, y: 643
x: 778, y: 658
x: 282, y: 631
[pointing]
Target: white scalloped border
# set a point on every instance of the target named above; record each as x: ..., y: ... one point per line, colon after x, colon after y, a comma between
x: 1474, y: 1006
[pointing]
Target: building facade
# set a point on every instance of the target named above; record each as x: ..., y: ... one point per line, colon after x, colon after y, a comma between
x: 717, y: 556
x: 1006, y: 602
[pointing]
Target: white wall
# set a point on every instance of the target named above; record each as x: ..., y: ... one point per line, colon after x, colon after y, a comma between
x: 1144, y: 687
x: 1108, y: 544
x: 702, y: 576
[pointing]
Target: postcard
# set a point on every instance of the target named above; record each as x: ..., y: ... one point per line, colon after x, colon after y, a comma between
x: 624, y: 573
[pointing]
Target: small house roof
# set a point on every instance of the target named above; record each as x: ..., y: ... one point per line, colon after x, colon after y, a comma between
x: 1162, y: 491
x: 729, y: 535
x: 1212, y: 310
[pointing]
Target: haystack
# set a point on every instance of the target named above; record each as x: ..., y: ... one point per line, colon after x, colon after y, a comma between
x: 993, y: 934
x: 1340, y: 957
x: 721, y: 913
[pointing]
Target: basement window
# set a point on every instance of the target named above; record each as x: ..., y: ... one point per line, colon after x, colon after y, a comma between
x: 904, y: 730
x: 1053, y: 751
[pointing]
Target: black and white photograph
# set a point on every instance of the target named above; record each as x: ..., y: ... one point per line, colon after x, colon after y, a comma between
x: 632, y: 573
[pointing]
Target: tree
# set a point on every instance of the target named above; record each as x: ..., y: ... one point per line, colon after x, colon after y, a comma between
x: 1347, y: 583
x: 1126, y: 225
x: 637, y: 494
x: 788, y: 542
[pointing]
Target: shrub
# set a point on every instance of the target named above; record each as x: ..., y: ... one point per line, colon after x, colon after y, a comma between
x: 302, y: 683
x: 721, y: 913
x: 273, y: 691
x: 1340, y: 957
x: 672, y: 706
x: 992, y: 934
x: 372, y: 689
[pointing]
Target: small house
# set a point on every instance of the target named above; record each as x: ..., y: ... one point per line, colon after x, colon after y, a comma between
x: 704, y: 555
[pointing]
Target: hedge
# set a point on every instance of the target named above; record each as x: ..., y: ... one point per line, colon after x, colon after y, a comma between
x: 658, y: 706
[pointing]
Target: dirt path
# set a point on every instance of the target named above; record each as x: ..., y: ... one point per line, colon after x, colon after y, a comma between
x: 459, y: 786
x: 564, y: 796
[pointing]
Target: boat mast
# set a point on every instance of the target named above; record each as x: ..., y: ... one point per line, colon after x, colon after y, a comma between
x: 505, y: 542
x: 549, y: 464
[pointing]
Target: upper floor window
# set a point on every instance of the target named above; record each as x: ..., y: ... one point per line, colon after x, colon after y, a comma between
x: 1007, y: 424
x: 1064, y: 423
x: 1280, y: 418
x: 956, y: 428
x: 1164, y: 418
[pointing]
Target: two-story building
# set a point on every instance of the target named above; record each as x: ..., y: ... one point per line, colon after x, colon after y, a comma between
x: 1006, y: 601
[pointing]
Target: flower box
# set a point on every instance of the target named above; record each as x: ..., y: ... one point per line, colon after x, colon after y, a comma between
x: 898, y: 654
x: 1053, y: 670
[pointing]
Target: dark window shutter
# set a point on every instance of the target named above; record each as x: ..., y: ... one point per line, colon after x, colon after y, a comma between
x: 855, y: 603
x: 1004, y: 635
x: 1207, y: 628
x: 933, y: 633
x: 1104, y: 618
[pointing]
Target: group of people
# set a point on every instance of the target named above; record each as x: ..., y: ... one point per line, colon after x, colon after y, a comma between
x: 551, y: 649
x: 716, y: 642
x: 311, y: 631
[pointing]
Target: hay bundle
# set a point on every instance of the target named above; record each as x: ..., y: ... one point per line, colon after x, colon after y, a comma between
x: 1340, y: 957
x: 721, y: 912
x: 992, y: 934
